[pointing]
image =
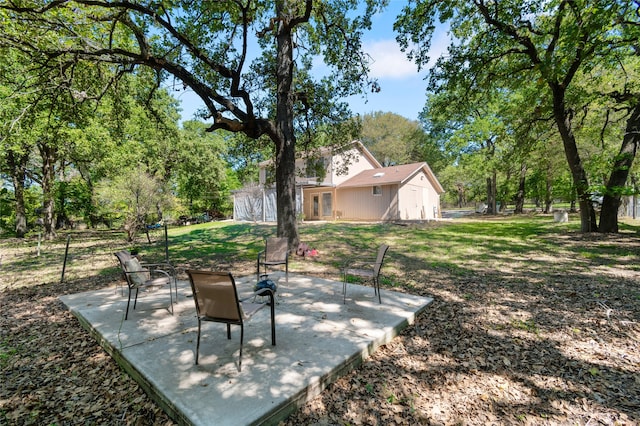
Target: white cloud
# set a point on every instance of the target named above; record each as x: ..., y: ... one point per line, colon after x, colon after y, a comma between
x: 388, y: 61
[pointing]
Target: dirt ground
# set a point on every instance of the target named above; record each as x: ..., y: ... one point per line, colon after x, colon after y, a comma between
x: 533, y: 340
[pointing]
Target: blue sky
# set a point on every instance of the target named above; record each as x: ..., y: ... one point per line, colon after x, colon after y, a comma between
x: 402, y: 87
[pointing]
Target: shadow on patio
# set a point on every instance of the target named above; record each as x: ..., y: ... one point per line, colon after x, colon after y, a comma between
x: 318, y: 339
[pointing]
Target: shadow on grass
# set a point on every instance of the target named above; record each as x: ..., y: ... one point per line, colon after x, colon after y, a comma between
x: 532, y: 321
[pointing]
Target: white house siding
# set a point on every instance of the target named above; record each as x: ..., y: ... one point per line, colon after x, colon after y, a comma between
x: 361, y: 204
x: 410, y: 191
x: 359, y: 163
x: 335, y: 163
x: 419, y: 200
x: 432, y: 201
x: 411, y: 205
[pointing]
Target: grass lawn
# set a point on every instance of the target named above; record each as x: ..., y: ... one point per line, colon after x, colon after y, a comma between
x: 532, y: 322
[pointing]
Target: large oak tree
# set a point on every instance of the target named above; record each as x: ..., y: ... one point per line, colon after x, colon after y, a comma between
x: 505, y: 44
x: 249, y: 61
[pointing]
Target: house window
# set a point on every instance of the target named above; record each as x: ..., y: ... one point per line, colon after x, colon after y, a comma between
x: 377, y: 190
x: 326, y: 204
x: 316, y: 168
x: 269, y: 175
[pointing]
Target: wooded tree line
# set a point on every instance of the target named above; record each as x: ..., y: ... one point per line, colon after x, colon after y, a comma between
x: 522, y: 79
x: 249, y: 61
x: 117, y: 157
x: 86, y: 109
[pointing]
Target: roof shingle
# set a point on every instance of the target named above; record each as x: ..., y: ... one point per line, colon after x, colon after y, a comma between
x: 386, y: 175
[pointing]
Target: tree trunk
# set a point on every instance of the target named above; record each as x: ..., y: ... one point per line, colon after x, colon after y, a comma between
x: 548, y: 196
x: 461, y: 198
x: 635, y: 197
x: 61, y: 216
x: 491, y: 194
x: 519, y: 198
x: 563, y: 121
x: 48, y: 197
x: 285, y: 140
x: 620, y: 173
x: 494, y: 189
x: 21, y: 211
x: 18, y: 166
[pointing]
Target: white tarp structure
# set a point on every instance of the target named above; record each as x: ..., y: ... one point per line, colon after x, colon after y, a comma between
x: 256, y: 204
x: 630, y: 207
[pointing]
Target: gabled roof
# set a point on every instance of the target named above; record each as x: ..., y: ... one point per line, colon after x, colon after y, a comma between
x: 363, y: 149
x: 392, y: 175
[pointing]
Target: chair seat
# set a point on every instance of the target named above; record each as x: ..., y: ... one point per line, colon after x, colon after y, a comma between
x: 276, y: 252
x: 249, y: 309
x: 139, y: 276
x: 273, y: 262
x: 159, y: 281
x: 371, y: 273
x: 366, y: 273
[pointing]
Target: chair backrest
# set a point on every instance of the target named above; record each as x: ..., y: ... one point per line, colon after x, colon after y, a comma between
x: 123, y: 256
x: 276, y: 249
x: 380, y: 258
x: 132, y: 270
x: 215, y: 295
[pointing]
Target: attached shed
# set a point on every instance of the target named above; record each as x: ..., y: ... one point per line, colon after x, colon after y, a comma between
x: 404, y: 192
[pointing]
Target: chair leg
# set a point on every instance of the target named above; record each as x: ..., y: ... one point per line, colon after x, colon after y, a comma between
x: 126, y: 315
x: 241, y: 340
x: 171, y: 297
x: 273, y: 320
x: 198, y: 341
x: 258, y: 270
x: 228, y: 331
x: 175, y: 284
x: 135, y: 301
x: 344, y: 289
x: 377, y: 287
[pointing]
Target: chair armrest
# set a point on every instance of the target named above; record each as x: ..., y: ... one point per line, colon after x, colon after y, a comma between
x: 261, y: 292
x: 160, y: 271
x: 148, y: 275
x: 155, y: 265
x: 356, y: 263
x: 162, y: 265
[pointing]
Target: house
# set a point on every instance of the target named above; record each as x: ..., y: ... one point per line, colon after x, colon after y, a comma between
x: 405, y: 192
x: 347, y: 185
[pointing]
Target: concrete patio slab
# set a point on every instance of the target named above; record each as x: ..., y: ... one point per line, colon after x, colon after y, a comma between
x: 318, y: 339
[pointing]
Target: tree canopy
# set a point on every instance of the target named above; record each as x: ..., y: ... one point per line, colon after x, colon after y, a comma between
x: 394, y: 139
x: 86, y: 92
x: 548, y: 46
x: 250, y: 62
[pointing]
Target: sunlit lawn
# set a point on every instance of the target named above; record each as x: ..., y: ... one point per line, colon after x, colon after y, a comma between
x: 458, y: 246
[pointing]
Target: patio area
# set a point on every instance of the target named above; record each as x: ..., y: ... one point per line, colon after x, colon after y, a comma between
x: 318, y: 339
